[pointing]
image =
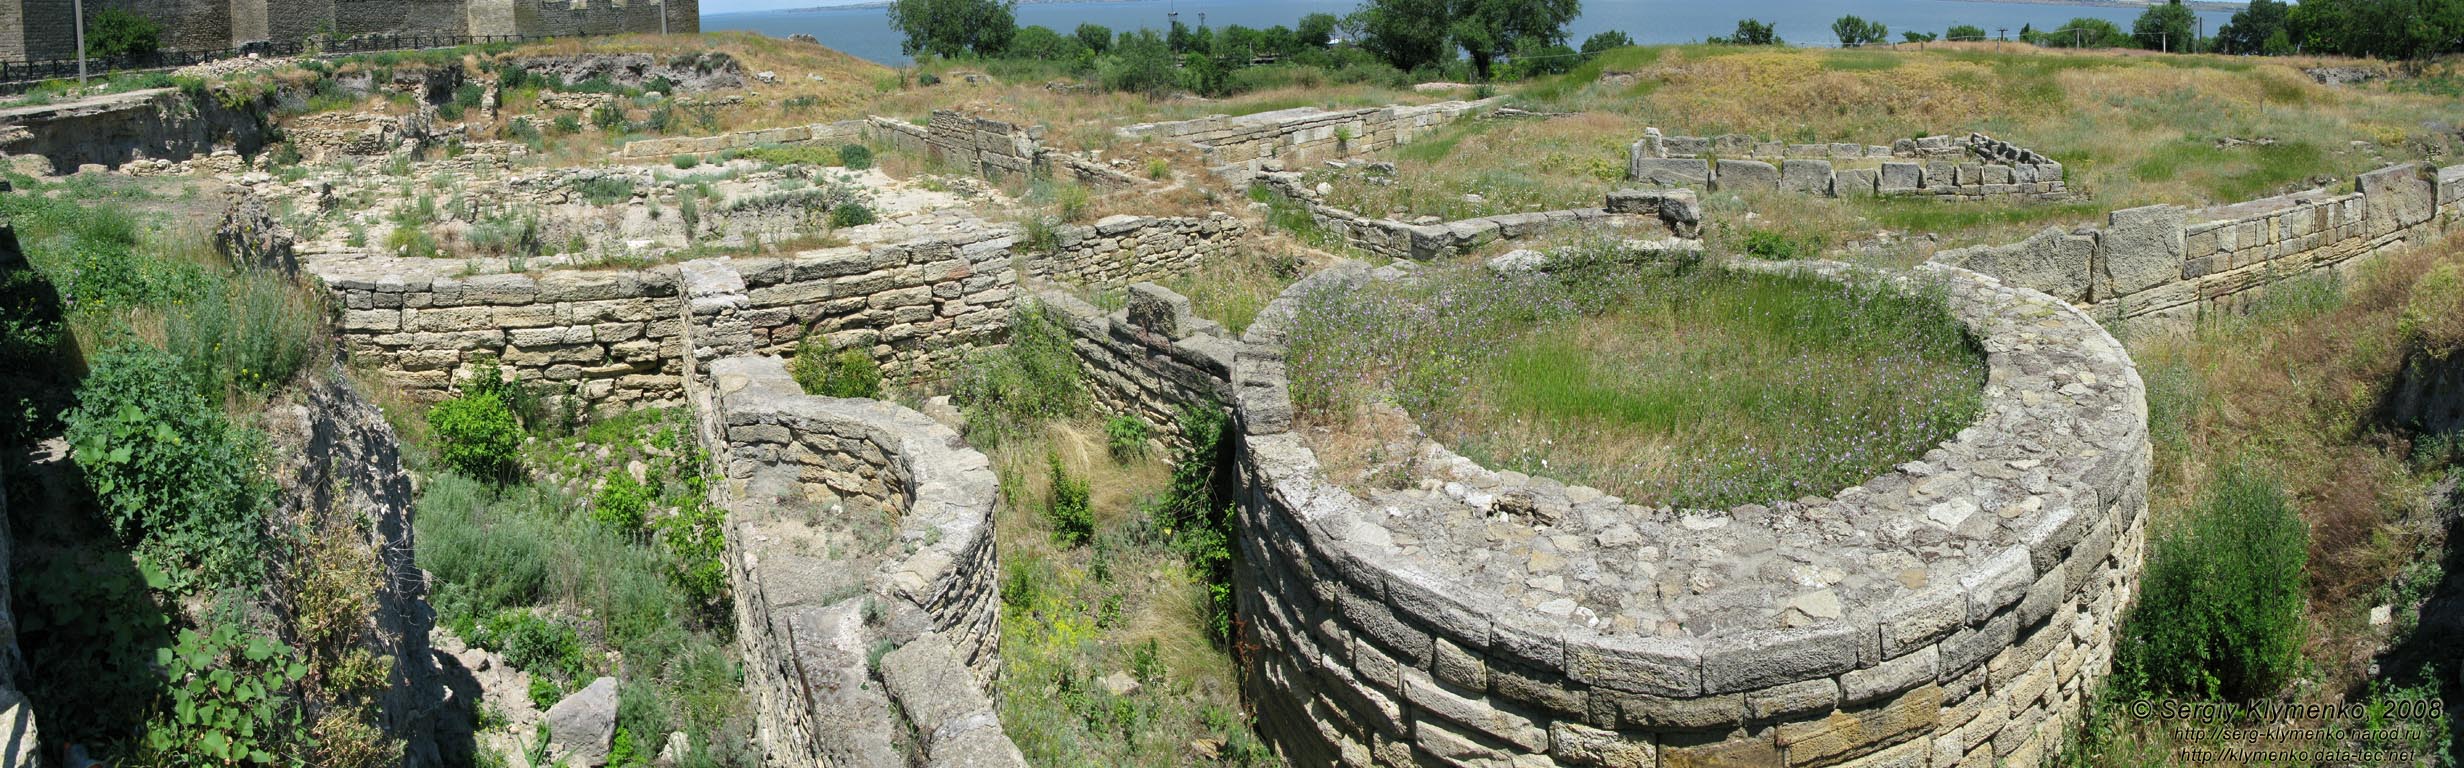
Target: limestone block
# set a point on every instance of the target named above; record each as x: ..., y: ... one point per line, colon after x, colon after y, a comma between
x: 2141, y: 248
x: 1901, y: 178
x: 1670, y: 172
x: 1584, y: 744
x: 1158, y: 309
x: 1811, y: 177
x: 1848, y: 732
x: 1855, y: 182
x: 1746, y: 176
x: 2398, y: 196
x: 1775, y: 657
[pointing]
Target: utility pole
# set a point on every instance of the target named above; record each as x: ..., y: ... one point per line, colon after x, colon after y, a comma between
x: 78, y: 9
x: 662, y: 18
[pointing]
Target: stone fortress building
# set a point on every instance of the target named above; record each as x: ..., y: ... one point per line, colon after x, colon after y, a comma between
x: 35, y: 30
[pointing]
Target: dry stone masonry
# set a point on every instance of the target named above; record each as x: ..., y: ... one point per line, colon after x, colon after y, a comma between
x: 1119, y: 250
x: 995, y: 150
x: 1956, y: 611
x: 860, y: 545
x: 2167, y: 261
x: 1152, y: 358
x: 826, y: 134
x: 1673, y: 217
x: 1247, y: 142
x: 1941, y: 167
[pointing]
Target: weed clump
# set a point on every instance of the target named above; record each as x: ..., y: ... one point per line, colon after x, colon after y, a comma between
x: 175, y: 477
x: 477, y: 435
x: 2220, y: 608
x: 849, y: 373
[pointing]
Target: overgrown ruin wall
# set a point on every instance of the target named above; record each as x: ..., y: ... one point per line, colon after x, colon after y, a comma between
x: 832, y: 134
x: 1120, y: 250
x: 1975, y: 168
x: 113, y: 130
x: 995, y: 150
x: 1956, y: 611
x: 860, y: 546
x: 2167, y: 261
x: 1151, y: 359
x: 1652, y: 213
x: 1306, y: 133
x: 45, y: 29
x: 617, y: 337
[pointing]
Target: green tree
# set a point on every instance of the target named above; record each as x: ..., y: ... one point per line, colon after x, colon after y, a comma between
x: 1750, y: 32
x: 2166, y: 27
x: 1317, y: 30
x: 1141, y: 63
x: 2252, y: 27
x: 1408, y: 34
x: 1854, y: 31
x: 953, y: 28
x: 2085, y: 32
x: 1964, y: 33
x: 1096, y: 37
x: 1605, y: 41
x: 1043, y: 44
x: 1914, y: 36
x: 2405, y: 29
x: 1489, y: 29
x: 114, y: 32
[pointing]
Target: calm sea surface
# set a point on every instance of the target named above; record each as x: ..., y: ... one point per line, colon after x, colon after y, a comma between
x: 866, y: 32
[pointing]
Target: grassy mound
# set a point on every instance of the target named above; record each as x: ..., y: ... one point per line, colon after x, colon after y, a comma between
x: 1692, y: 386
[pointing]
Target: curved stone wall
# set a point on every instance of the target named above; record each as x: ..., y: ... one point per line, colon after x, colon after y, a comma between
x: 1955, y: 611
x: 860, y: 548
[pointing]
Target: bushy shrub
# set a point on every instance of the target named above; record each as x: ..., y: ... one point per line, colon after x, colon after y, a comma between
x: 1067, y: 507
x: 851, y: 214
x: 567, y: 124
x: 2220, y: 607
x: 253, y: 336
x: 1125, y: 436
x: 477, y: 435
x: 686, y: 162
x: 849, y: 373
x: 606, y: 190
x: 855, y: 157
x: 173, y: 475
x: 1035, y: 378
x: 623, y: 504
x: 114, y: 32
x: 607, y: 118
x: 533, y: 643
x: 1195, y: 515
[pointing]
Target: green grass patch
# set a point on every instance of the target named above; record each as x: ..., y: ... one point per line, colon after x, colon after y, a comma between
x: 1860, y: 61
x: 1689, y: 386
x: 2233, y: 174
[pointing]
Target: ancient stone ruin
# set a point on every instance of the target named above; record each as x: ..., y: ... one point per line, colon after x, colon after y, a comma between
x: 1941, y: 167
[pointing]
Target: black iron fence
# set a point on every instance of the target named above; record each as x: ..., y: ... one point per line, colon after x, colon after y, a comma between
x: 26, y: 72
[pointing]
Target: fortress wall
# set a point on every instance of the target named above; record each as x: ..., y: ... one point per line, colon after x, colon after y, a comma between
x: 2170, y: 262
x: 1371, y: 653
x: 1975, y: 168
x: 47, y: 33
x: 603, y: 17
x: 1120, y: 250
x: 188, y: 25
x: 1650, y: 213
x: 1150, y: 359
x: 1306, y: 133
x: 400, y: 17
x: 818, y: 597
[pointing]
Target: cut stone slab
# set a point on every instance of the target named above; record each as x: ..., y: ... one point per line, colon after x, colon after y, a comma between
x: 2052, y: 261
x: 1670, y: 172
x: 2141, y: 248
x: 1747, y: 175
x: 1811, y: 177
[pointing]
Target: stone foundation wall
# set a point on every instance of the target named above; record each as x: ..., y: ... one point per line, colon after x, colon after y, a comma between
x: 995, y: 150
x: 1975, y: 168
x: 1120, y: 250
x: 2167, y: 261
x: 829, y: 134
x: 1306, y: 133
x: 823, y: 586
x: 619, y: 338
x: 1954, y: 612
x: 1151, y: 359
x: 1652, y: 214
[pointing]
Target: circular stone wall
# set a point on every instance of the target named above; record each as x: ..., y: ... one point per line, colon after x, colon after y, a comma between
x: 1952, y: 612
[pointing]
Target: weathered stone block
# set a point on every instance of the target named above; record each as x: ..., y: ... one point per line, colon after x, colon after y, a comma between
x: 1856, y: 182
x: 1786, y: 656
x: 2398, y: 196
x: 1811, y: 177
x: 1746, y: 176
x: 2141, y: 248
x: 1901, y: 178
x: 1670, y: 172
